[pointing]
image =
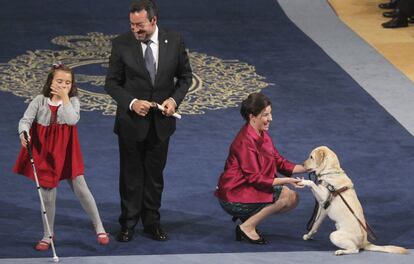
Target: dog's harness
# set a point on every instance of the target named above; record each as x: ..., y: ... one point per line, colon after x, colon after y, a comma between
x: 332, y: 194
x: 312, y: 220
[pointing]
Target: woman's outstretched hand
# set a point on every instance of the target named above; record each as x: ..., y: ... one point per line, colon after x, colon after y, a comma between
x: 295, y: 182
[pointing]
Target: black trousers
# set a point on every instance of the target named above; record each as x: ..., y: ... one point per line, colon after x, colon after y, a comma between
x: 406, y: 7
x: 141, y: 179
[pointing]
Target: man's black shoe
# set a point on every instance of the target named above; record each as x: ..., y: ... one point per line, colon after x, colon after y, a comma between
x: 125, y: 235
x: 389, y: 5
x: 156, y: 233
x: 391, y: 14
x: 396, y: 22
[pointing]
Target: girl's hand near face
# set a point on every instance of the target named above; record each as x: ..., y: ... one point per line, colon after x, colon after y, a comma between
x: 61, y: 85
x: 62, y: 91
x: 59, y: 90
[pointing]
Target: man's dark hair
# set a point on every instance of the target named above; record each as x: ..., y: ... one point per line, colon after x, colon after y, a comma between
x: 254, y: 104
x: 147, y: 5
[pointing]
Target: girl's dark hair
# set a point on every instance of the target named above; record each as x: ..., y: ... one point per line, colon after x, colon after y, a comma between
x: 59, y: 67
x: 147, y: 5
x: 254, y: 104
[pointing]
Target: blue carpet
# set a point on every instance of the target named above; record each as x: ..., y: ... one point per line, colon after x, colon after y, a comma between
x: 314, y: 103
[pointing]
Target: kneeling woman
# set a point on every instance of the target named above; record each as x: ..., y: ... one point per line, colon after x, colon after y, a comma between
x: 249, y: 188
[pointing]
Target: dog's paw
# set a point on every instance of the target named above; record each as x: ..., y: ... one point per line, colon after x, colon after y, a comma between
x: 339, y: 252
x: 307, y: 237
x: 305, y: 183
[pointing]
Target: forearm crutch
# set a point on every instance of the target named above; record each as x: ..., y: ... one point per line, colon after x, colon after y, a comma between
x: 44, y: 214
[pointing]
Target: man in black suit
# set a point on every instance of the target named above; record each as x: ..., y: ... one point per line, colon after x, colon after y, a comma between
x: 146, y: 65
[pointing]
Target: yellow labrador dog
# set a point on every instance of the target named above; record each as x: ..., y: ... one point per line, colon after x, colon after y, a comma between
x: 333, y: 191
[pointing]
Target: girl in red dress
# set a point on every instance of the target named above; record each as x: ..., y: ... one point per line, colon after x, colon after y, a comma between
x: 50, y: 120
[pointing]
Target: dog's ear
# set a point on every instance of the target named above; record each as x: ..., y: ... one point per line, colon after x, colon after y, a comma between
x: 330, y: 159
x: 320, y: 156
x: 333, y: 161
x: 320, y: 159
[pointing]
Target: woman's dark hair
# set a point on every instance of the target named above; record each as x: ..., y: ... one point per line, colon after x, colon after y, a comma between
x: 254, y: 104
x: 147, y: 5
x: 59, y: 67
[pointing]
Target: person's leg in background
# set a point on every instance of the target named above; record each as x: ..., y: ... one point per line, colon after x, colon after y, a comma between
x: 404, y: 10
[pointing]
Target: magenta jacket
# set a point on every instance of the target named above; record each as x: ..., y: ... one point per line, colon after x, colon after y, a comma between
x: 251, y: 166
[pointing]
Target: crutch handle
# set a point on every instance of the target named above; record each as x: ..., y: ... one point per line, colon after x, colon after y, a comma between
x: 29, y: 149
x: 25, y: 136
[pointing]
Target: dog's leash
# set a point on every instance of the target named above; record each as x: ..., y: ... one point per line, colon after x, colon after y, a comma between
x: 312, y: 220
x: 338, y: 192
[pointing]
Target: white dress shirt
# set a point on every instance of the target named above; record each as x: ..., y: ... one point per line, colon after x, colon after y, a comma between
x: 155, y: 51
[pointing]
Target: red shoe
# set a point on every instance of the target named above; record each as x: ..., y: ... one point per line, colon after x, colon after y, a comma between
x: 103, y: 238
x: 42, y: 245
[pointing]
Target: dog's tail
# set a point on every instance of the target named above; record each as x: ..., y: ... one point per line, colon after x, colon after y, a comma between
x: 388, y: 249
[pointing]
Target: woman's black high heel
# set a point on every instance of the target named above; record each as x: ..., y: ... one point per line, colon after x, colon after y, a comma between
x: 241, y: 235
x: 244, y: 219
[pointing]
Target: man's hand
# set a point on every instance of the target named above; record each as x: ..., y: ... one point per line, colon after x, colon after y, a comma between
x: 141, y: 107
x: 169, y: 107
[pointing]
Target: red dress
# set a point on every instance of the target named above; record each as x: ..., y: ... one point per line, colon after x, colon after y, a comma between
x: 56, y: 153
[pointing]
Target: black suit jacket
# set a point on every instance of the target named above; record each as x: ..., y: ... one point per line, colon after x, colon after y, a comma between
x: 128, y: 78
